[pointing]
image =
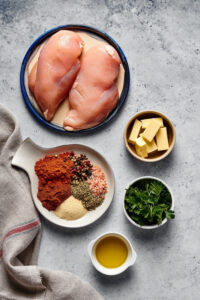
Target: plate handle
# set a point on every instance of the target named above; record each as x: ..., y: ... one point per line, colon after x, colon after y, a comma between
x: 25, y: 155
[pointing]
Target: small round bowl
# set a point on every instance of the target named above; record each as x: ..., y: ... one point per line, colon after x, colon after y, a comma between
x: 148, y: 226
x: 153, y: 157
x: 112, y: 271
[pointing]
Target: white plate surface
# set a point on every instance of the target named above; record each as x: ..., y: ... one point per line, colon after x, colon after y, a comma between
x: 29, y: 153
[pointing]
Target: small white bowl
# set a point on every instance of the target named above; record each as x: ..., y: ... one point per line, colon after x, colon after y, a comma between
x: 149, y: 226
x: 112, y: 271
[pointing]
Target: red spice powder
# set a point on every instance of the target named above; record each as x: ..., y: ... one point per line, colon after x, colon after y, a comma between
x: 53, y: 167
x: 54, y: 173
x: 53, y: 193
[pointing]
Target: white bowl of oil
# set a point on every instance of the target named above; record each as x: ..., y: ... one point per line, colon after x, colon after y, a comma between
x: 111, y: 253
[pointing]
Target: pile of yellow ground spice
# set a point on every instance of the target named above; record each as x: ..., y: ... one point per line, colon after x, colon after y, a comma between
x: 70, y: 209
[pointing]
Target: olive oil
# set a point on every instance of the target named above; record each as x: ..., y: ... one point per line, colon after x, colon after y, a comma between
x: 111, y: 252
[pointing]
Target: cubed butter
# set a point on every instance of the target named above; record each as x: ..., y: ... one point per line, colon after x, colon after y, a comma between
x: 151, y: 146
x: 151, y: 130
x: 141, y: 147
x: 162, y: 139
x: 135, y: 131
x: 145, y: 122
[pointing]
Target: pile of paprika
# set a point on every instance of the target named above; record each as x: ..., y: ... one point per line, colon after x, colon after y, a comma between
x: 55, y: 173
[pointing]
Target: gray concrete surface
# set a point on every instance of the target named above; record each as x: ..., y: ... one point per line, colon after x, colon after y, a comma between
x: 162, y: 45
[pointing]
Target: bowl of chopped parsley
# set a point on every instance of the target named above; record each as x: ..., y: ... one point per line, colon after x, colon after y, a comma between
x: 148, y: 203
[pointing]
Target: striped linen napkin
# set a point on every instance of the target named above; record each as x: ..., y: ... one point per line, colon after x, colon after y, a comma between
x: 20, y: 230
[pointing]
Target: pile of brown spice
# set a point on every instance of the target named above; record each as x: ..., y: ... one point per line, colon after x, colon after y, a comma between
x: 52, y: 167
x: 54, y: 173
x: 53, y: 193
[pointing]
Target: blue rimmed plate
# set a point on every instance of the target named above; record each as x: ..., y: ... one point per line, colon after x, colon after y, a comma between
x: 34, y: 48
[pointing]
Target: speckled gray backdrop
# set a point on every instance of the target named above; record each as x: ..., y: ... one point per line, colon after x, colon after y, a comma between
x: 161, y: 40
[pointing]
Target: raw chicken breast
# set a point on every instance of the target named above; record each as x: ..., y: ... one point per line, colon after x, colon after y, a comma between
x: 94, y: 93
x: 52, y: 77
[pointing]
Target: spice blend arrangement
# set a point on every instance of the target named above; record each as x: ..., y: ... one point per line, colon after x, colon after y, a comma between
x: 70, y: 184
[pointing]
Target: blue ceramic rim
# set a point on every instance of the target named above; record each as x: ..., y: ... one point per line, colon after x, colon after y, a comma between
x: 89, y: 29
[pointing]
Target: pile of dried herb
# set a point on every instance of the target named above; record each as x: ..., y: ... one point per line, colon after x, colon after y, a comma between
x: 81, y: 191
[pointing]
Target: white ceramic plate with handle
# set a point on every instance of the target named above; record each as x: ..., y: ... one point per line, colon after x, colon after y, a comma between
x: 25, y: 158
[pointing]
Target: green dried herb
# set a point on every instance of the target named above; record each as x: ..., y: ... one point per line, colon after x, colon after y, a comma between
x: 148, y: 202
x: 81, y: 191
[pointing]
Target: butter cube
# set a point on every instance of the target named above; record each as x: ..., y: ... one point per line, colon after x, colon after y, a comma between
x: 162, y: 139
x: 135, y: 131
x: 141, y: 147
x: 145, y: 122
x: 151, y: 146
x: 151, y: 130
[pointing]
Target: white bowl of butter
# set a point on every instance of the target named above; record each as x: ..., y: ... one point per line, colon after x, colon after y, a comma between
x: 149, y: 136
x: 111, y: 253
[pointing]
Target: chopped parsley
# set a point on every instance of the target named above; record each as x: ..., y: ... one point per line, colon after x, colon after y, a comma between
x: 148, y: 202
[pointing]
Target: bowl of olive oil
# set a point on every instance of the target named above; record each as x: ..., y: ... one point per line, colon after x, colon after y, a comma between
x: 111, y: 253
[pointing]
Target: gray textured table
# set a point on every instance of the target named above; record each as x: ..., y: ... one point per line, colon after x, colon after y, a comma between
x: 162, y: 45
